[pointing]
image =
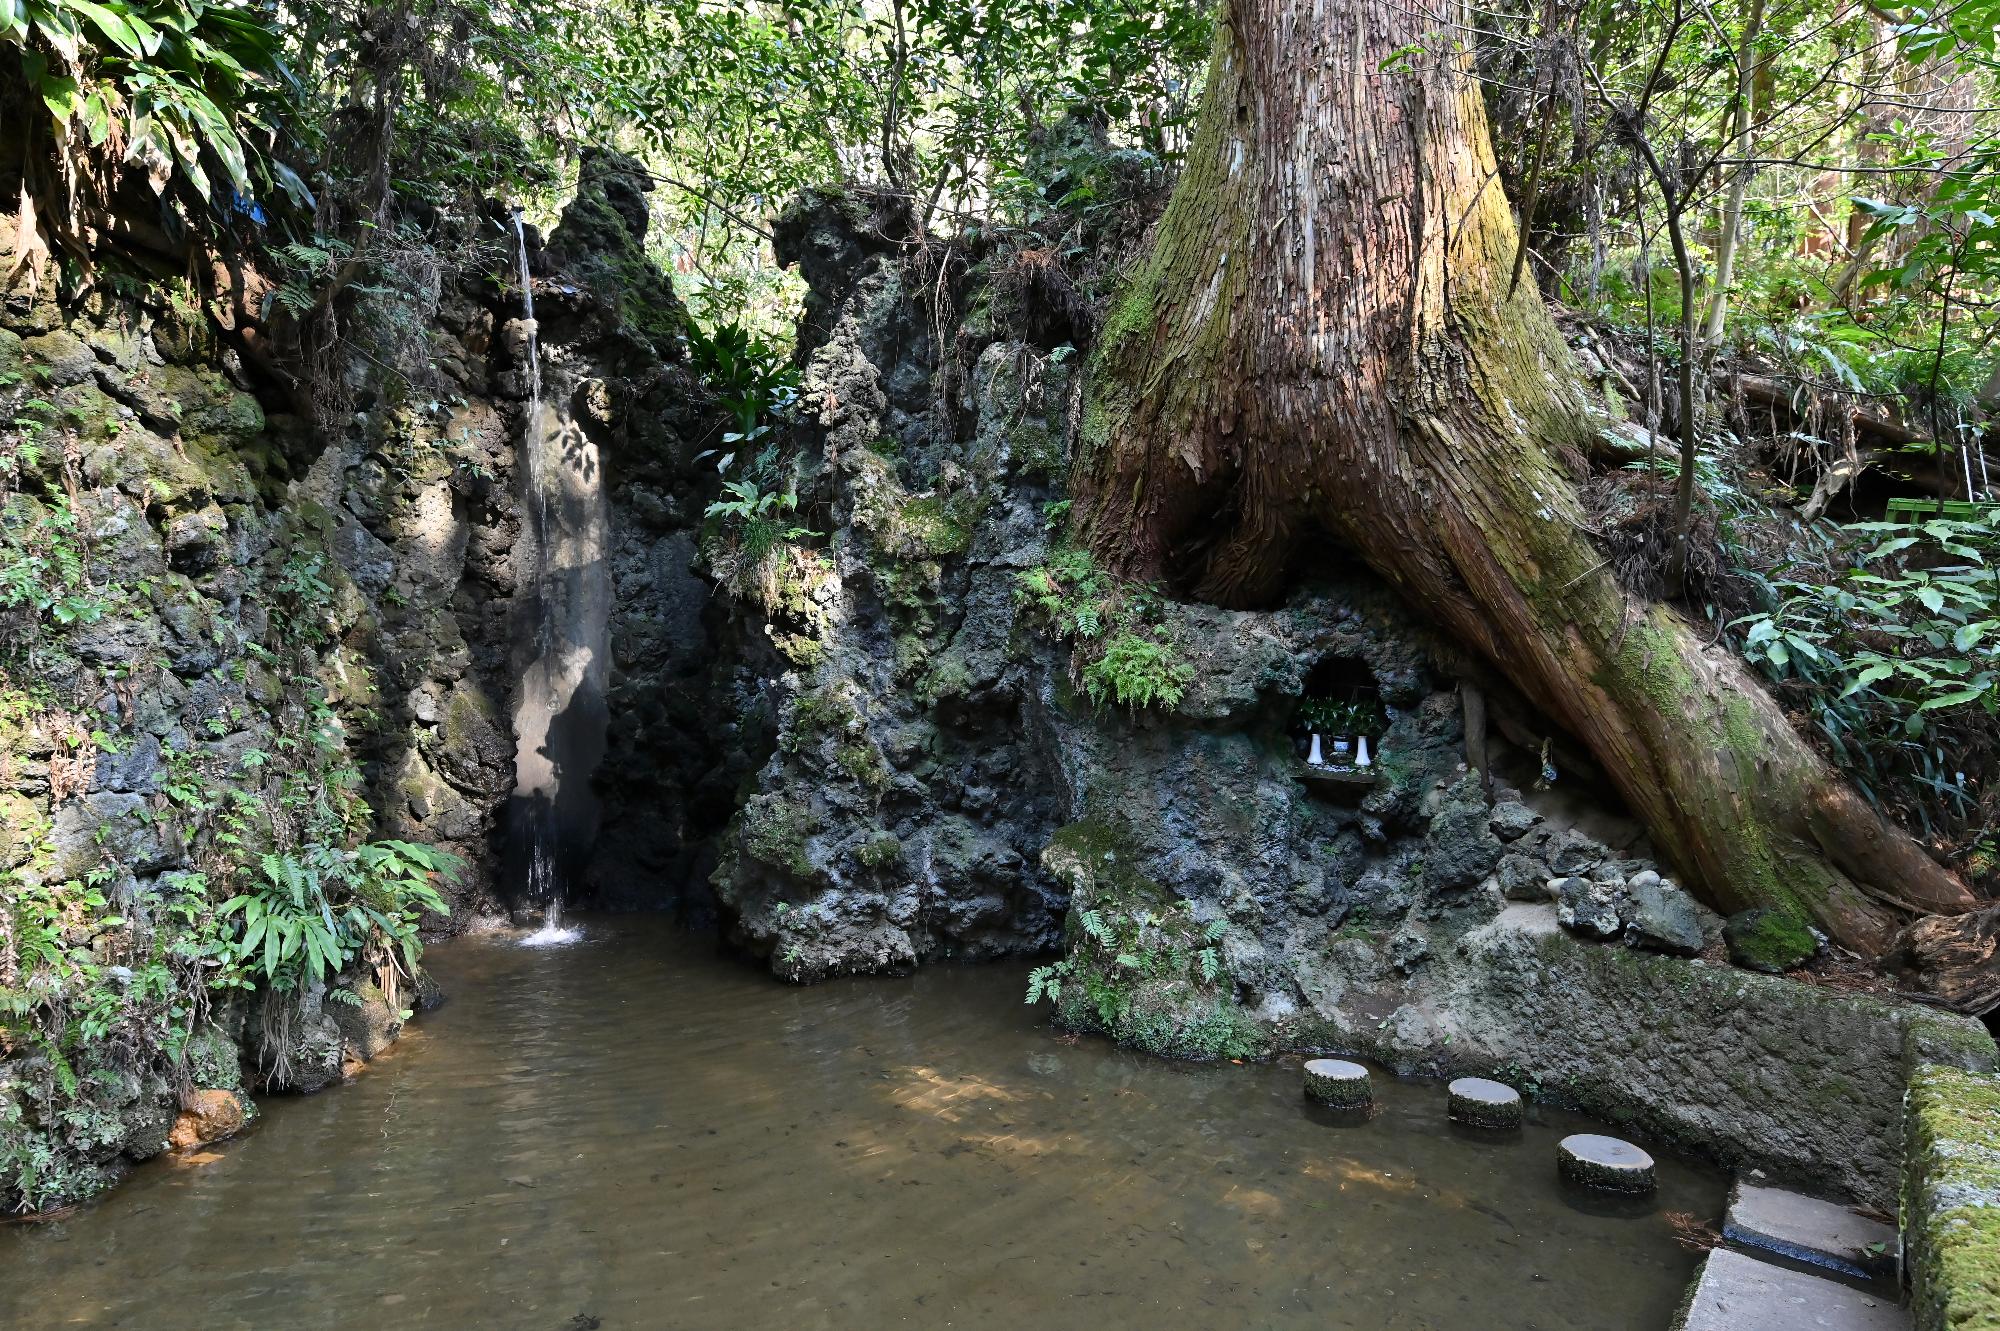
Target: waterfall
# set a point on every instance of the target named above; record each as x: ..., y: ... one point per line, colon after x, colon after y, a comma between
x: 562, y: 638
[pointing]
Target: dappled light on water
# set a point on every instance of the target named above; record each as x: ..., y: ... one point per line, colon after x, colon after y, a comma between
x: 633, y: 1131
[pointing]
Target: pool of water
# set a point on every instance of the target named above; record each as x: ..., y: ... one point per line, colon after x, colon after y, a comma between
x: 632, y: 1132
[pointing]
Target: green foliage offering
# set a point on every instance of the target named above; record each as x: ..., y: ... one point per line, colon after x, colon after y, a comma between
x: 1123, y: 653
x: 1334, y: 716
x: 1897, y: 661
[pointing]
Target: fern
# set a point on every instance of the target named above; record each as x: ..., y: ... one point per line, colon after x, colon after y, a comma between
x: 1137, y: 671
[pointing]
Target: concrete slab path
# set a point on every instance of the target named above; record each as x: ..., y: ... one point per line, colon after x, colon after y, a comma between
x: 1821, y: 1233
x: 1739, y: 1293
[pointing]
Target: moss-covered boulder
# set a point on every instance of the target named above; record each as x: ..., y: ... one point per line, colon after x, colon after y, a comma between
x: 1769, y: 941
x: 602, y: 239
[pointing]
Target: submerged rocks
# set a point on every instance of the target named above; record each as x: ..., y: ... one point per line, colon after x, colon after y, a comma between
x: 209, y: 1116
x: 1769, y: 941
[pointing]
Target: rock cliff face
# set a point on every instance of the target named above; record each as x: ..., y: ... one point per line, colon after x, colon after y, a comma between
x: 228, y: 632
x: 879, y: 715
x: 948, y: 778
x: 932, y: 738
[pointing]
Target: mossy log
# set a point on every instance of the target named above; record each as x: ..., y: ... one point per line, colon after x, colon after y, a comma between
x: 1322, y: 343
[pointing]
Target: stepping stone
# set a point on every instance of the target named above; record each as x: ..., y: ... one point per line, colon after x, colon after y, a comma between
x: 1485, y: 1104
x: 1337, y: 1082
x: 1738, y: 1293
x: 1805, y: 1230
x: 1604, y: 1162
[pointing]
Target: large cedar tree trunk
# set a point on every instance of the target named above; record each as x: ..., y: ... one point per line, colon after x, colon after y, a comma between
x: 1321, y: 343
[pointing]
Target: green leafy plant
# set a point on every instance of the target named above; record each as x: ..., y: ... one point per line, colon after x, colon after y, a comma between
x: 1122, y: 653
x: 189, y: 88
x: 1137, y: 671
x: 752, y: 379
x: 1146, y: 975
x: 314, y: 911
x: 1896, y: 660
x: 43, y: 565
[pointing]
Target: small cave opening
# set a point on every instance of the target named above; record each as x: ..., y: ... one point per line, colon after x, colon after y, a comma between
x: 1338, y: 714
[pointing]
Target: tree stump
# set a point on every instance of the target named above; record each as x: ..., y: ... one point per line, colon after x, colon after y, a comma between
x: 1605, y: 1162
x: 1485, y: 1104
x: 1339, y: 1083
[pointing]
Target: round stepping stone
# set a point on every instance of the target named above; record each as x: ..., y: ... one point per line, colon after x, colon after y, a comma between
x: 1337, y: 1082
x: 1485, y: 1104
x: 1605, y: 1162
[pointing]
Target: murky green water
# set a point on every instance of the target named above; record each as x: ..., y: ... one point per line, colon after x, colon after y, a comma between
x: 636, y: 1131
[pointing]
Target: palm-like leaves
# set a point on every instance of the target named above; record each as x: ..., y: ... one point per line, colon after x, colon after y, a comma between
x: 317, y: 910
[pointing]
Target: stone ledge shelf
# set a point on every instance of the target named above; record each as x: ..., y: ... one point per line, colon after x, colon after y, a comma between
x: 1818, y: 1233
x: 1346, y: 778
x: 1738, y: 1293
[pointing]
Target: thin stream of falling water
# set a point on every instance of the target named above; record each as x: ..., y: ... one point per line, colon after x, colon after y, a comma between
x: 531, y: 436
x: 544, y: 883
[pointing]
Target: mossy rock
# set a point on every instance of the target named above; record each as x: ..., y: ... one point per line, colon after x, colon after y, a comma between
x: 1951, y: 1198
x: 777, y: 831
x: 1482, y: 1103
x: 1768, y: 941
x: 882, y: 851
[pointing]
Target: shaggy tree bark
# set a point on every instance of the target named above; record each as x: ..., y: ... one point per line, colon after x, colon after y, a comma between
x: 1321, y: 341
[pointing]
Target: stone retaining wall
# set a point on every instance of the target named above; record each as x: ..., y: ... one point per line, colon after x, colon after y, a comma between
x: 1803, y: 1082
x: 1951, y: 1198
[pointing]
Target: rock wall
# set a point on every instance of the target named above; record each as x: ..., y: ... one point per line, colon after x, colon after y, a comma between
x: 225, y: 632
x: 911, y: 778
x: 1950, y: 1197
x: 939, y: 784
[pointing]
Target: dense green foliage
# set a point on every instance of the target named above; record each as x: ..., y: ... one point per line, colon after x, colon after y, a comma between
x: 189, y: 89
x: 1892, y: 657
